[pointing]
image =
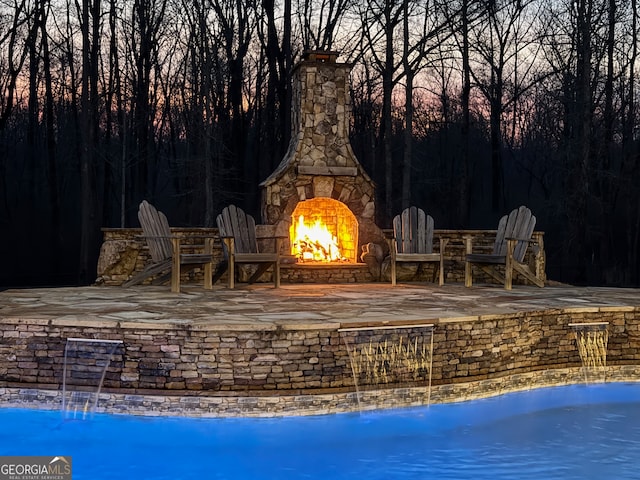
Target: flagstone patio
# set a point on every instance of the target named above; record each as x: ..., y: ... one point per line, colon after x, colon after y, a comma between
x: 294, y: 306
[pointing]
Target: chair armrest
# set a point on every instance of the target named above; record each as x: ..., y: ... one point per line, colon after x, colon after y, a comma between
x: 207, y: 245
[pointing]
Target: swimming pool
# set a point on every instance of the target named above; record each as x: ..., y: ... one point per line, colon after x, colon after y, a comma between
x: 574, y: 432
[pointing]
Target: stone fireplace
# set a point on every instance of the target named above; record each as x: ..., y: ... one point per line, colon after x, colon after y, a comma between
x: 319, y: 178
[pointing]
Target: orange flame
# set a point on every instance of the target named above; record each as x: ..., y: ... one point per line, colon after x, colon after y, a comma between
x: 313, y: 242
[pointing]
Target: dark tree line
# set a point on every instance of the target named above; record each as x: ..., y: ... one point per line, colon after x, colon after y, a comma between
x: 465, y: 107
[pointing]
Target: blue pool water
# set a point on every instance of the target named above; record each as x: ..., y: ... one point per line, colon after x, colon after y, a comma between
x: 576, y: 432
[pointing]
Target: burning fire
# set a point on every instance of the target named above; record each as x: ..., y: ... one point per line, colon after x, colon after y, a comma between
x: 313, y: 242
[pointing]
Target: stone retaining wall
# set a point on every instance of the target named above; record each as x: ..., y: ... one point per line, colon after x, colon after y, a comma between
x: 163, y: 358
x: 125, y: 253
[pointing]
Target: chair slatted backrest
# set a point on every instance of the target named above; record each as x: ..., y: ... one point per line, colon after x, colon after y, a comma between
x: 519, y: 224
x: 155, y: 228
x: 234, y: 222
x: 413, y: 231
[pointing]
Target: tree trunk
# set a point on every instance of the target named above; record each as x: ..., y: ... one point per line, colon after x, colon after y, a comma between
x: 408, y: 115
x: 387, y: 123
x: 631, y: 151
x: 55, y: 239
x: 579, y: 188
x: 87, y: 148
x: 497, y: 174
x: 465, y: 167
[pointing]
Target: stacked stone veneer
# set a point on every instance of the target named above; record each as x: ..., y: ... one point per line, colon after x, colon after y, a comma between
x: 305, y: 361
x: 256, y: 405
x: 124, y: 253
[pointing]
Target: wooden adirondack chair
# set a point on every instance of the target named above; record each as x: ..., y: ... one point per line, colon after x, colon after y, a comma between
x: 413, y: 241
x: 165, y: 249
x: 240, y: 245
x: 512, y: 240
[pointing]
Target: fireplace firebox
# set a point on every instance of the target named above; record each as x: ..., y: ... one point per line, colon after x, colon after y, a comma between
x: 323, y: 230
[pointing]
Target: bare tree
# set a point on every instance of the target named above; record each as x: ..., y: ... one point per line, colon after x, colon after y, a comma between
x: 90, y: 24
x: 237, y: 24
x: 277, y: 54
x: 115, y: 175
x: 18, y: 42
x: 319, y: 22
x: 147, y: 22
x: 50, y: 137
x: 15, y: 41
x: 465, y: 171
x: 632, y: 151
x: 505, y: 53
x: 381, y: 20
x: 425, y: 28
